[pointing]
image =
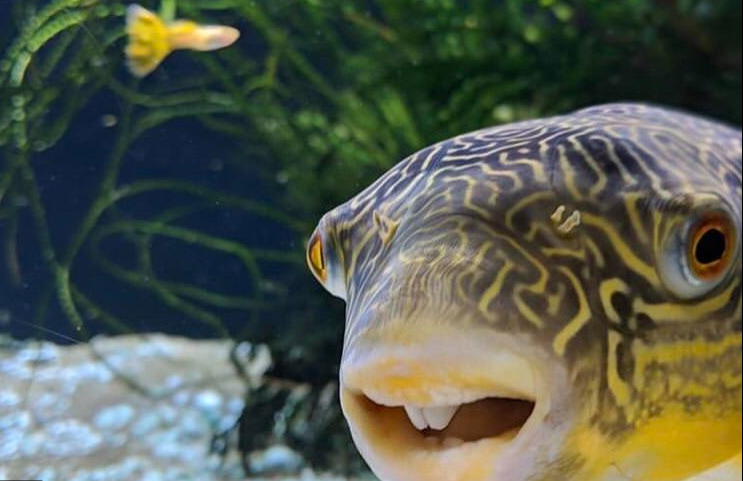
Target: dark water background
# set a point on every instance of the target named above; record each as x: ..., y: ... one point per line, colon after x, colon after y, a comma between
x: 69, y: 175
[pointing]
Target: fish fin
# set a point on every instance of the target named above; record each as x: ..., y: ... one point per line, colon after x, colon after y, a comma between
x: 148, y: 40
x: 189, y: 35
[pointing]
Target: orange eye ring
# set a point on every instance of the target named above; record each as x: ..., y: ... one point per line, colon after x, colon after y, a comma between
x: 316, y: 258
x: 711, y: 246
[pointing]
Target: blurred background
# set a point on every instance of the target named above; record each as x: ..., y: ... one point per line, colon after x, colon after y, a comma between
x: 180, y: 203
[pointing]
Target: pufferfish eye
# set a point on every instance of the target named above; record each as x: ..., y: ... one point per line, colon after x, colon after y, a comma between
x: 710, y: 246
x: 699, y: 253
x: 324, y: 264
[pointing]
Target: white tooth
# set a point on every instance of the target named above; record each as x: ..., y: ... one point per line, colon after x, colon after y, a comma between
x: 439, y: 417
x: 416, y: 417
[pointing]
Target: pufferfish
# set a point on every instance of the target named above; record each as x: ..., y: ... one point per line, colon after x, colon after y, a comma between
x: 151, y: 39
x: 552, y: 300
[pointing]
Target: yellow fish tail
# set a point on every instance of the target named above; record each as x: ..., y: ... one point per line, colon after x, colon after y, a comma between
x: 149, y: 41
x: 190, y: 35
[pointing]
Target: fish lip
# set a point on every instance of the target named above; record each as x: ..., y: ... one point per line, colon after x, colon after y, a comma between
x: 445, y: 370
x: 511, y: 459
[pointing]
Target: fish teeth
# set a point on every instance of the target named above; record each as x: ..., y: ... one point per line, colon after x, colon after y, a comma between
x: 437, y: 418
x: 416, y: 417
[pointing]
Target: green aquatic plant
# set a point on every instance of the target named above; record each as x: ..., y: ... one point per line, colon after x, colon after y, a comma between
x: 316, y: 100
x: 30, y: 110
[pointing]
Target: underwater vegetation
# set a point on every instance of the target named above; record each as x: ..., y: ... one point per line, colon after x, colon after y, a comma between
x: 182, y: 202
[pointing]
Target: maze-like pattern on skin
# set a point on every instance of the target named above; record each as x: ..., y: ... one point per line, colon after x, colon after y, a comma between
x: 475, y: 243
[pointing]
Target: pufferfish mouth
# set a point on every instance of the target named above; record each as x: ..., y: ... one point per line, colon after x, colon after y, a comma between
x: 453, y: 409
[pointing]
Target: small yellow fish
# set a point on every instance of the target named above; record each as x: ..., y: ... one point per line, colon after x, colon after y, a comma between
x: 151, y: 39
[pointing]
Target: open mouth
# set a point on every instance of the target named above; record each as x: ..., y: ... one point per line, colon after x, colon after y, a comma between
x: 450, y: 442
x: 458, y: 415
x: 445, y: 427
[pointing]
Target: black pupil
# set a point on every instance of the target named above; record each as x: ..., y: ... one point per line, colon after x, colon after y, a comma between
x: 711, y: 247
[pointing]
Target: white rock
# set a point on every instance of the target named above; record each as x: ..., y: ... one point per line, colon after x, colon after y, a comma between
x: 114, y: 417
